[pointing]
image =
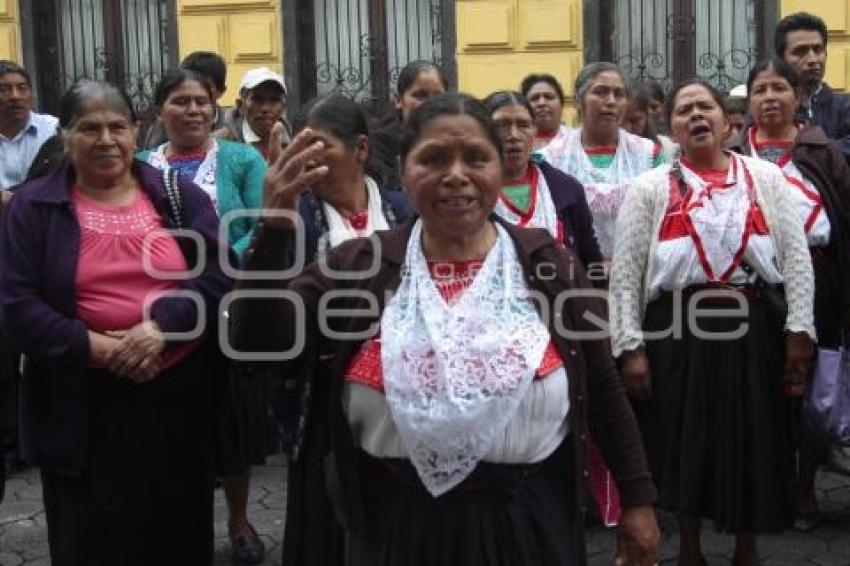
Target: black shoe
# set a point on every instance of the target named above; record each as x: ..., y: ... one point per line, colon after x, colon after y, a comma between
x: 247, y: 549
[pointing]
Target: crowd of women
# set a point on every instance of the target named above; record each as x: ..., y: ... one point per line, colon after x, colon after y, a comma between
x: 446, y: 412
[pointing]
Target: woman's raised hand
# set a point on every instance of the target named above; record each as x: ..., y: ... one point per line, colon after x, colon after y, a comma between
x: 290, y: 171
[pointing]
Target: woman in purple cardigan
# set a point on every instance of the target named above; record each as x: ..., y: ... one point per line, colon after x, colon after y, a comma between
x: 535, y: 194
x: 116, y: 405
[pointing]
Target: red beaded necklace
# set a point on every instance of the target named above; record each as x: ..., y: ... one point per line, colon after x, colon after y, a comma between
x: 359, y: 220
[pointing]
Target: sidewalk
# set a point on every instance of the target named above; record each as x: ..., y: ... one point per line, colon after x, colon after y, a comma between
x: 23, y: 536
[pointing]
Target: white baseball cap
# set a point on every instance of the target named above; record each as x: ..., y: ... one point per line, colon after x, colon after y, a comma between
x: 256, y: 77
x: 739, y: 91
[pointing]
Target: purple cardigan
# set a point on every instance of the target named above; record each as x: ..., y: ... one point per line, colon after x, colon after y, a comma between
x: 39, y: 248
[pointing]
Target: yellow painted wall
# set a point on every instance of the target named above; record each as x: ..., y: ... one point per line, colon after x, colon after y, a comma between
x: 10, y: 45
x: 501, y: 41
x: 836, y: 14
x: 247, y: 33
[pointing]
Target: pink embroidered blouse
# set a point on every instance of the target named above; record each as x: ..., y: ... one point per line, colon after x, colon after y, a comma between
x: 113, y: 282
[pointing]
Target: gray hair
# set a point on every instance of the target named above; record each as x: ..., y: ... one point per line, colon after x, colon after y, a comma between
x: 77, y: 100
x: 584, y: 80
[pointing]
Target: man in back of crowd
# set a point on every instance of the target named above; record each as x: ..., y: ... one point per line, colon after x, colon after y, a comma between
x: 800, y: 40
x: 22, y: 131
x: 736, y: 108
x: 261, y: 104
x: 212, y: 67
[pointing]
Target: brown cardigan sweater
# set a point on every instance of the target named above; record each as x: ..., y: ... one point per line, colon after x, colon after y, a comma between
x: 596, y: 392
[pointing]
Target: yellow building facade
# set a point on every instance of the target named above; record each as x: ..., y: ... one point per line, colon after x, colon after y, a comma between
x: 501, y: 40
x: 524, y: 36
x: 496, y: 41
x: 10, y: 42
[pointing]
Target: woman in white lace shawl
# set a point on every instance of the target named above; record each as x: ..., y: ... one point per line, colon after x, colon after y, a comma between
x: 458, y: 413
x: 703, y: 250
x: 600, y: 153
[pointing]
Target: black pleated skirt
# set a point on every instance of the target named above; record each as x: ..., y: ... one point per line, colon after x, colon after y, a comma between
x: 146, y: 494
x: 312, y: 535
x: 506, y: 517
x: 828, y: 297
x: 245, y: 430
x: 719, y: 429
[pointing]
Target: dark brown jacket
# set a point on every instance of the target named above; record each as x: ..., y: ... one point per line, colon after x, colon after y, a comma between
x: 596, y: 393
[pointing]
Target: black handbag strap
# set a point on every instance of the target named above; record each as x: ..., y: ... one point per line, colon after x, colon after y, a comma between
x: 676, y: 171
x: 175, y: 210
x: 175, y: 197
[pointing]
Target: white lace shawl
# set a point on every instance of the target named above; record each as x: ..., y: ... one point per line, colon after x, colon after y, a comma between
x: 605, y: 188
x: 669, y: 148
x: 544, y: 214
x: 340, y: 231
x: 537, y: 429
x: 638, y: 228
x: 563, y: 131
x: 455, y: 375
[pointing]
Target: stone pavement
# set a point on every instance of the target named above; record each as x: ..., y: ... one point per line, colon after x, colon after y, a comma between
x: 23, y: 537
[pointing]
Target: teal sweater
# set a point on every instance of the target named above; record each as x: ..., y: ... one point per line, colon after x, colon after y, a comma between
x: 239, y: 185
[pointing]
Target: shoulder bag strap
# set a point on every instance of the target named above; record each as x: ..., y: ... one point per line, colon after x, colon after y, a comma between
x: 175, y: 213
x: 175, y: 197
x: 676, y: 170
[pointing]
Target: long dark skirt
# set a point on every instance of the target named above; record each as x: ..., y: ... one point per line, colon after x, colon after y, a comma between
x: 718, y: 430
x: 9, y: 378
x: 312, y: 535
x: 245, y: 430
x: 828, y: 298
x: 504, y: 518
x: 146, y: 495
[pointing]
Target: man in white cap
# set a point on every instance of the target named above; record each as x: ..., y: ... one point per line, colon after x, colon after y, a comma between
x: 261, y: 104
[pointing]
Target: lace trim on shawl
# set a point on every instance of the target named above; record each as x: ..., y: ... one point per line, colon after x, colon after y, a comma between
x: 455, y: 374
x: 605, y: 188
